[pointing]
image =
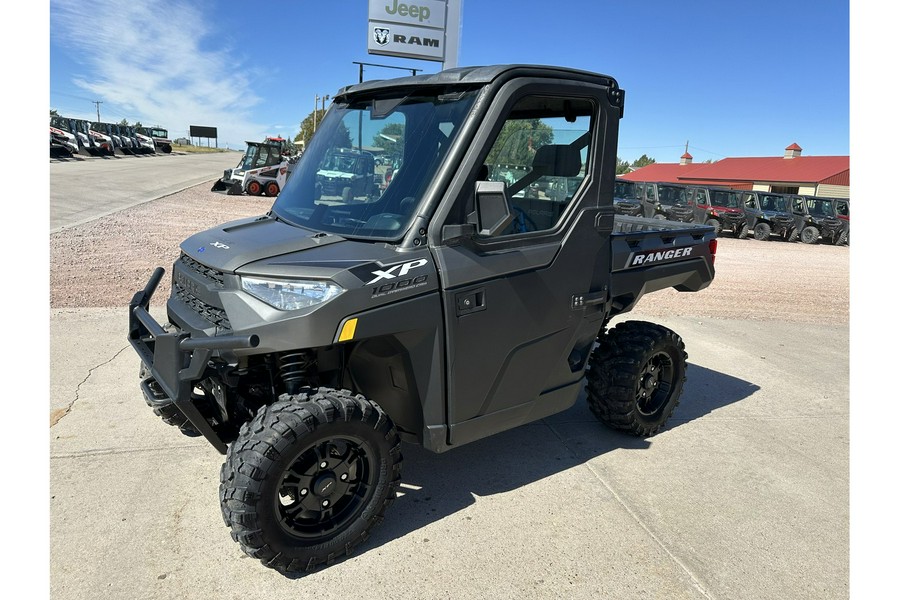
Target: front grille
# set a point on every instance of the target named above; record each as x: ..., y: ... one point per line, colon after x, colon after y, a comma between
x: 212, y: 275
x: 213, y: 315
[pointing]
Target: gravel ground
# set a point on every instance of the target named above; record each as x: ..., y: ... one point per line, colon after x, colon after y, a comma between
x: 102, y: 264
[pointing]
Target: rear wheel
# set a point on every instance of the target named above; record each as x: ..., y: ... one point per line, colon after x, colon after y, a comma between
x: 635, y: 377
x: 308, y: 478
x: 762, y: 232
x: 809, y: 235
x: 272, y: 189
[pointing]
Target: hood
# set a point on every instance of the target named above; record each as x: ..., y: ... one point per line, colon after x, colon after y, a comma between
x: 279, y: 249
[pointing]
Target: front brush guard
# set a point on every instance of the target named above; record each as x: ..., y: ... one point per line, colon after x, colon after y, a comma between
x: 174, y: 358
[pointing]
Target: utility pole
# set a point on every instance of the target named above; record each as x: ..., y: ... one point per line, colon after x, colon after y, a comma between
x: 98, y: 103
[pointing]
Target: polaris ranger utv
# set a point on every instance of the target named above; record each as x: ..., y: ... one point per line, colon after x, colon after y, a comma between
x: 307, y: 342
x: 768, y: 214
x: 718, y: 207
x: 666, y: 201
x: 826, y: 219
x: 626, y: 200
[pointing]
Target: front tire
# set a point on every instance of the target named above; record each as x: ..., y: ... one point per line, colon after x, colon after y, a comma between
x: 254, y: 188
x: 635, y: 377
x: 715, y: 224
x: 272, y: 189
x: 308, y: 478
x: 744, y: 232
x: 762, y: 232
x: 809, y: 235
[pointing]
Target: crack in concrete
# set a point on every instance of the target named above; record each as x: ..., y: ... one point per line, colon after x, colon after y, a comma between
x: 695, y: 580
x: 57, y: 414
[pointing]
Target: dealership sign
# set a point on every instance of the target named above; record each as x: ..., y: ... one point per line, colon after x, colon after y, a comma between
x: 420, y: 29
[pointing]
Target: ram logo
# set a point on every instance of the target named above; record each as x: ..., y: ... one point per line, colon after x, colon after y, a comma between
x: 382, y: 35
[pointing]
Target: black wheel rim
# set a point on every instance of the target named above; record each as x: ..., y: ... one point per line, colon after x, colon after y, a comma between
x: 326, y: 487
x: 655, y: 385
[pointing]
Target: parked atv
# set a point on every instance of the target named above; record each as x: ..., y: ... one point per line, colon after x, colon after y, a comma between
x: 718, y: 207
x: 667, y: 201
x: 816, y: 219
x: 768, y: 214
x: 305, y: 343
x: 626, y: 199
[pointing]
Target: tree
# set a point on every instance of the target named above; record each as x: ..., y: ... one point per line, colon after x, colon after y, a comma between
x: 518, y: 140
x: 643, y: 161
x: 53, y: 112
x: 622, y: 166
x: 306, y: 127
x: 391, y: 138
x: 124, y: 122
x: 138, y: 125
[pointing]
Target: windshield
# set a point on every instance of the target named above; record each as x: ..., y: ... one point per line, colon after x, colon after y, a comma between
x: 819, y: 208
x: 773, y: 203
x: 672, y: 196
x: 625, y: 190
x: 725, y: 199
x: 338, y: 187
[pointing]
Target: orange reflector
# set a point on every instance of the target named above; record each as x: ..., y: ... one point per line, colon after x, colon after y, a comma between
x: 348, y: 331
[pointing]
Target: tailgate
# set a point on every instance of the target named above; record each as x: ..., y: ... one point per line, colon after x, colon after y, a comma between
x: 648, y: 255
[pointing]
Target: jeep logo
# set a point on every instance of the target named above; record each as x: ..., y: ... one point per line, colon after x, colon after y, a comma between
x: 423, y: 13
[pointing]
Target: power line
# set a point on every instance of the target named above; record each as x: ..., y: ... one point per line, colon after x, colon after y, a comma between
x: 98, y: 103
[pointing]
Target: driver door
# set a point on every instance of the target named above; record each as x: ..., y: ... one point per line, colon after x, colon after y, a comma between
x: 518, y: 328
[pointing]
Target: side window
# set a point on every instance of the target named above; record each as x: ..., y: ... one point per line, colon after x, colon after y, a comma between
x: 749, y: 201
x: 701, y: 197
x: 541, y: 154
x: 651, y: 192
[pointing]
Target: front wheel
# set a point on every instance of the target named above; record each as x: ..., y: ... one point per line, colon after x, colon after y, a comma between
x: 635, y: 377
x: 762, y: 232
x: 308, y: 478
x: 744, y: 232
x: 715, y: 224
x: 272, y: 189
x: 809, y: 235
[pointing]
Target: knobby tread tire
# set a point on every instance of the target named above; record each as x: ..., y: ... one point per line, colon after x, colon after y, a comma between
x: 266, y: 447
x: 614, y: 375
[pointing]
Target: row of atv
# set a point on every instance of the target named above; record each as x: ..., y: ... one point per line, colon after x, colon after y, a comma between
x: 742, y: 213
x: 70, y: 137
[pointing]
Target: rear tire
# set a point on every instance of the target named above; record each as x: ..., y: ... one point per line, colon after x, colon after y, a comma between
x: 635, y: 377
x: 762, y: 232
x: 809, y: 235
x: 308, y: 478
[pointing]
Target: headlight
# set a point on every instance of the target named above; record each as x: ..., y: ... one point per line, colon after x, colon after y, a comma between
x: 291, y: 295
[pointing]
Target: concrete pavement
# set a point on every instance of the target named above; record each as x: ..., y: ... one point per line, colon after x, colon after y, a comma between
x: 743, y: 495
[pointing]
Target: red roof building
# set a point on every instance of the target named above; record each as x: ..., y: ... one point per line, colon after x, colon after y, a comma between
x: 792, y: 173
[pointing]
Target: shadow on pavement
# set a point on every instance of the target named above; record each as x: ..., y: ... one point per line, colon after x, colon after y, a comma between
x: 434, y: 486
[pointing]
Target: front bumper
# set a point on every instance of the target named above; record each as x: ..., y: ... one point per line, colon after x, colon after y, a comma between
x: 175, y: 360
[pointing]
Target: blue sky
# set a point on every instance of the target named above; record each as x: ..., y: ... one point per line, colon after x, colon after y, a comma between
x: 730, y: 78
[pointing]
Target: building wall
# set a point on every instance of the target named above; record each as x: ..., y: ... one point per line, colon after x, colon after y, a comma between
x: 804, y: 189
x: 832, y: 191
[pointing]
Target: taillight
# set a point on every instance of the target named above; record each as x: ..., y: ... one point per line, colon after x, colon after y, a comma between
x: 713, y: 245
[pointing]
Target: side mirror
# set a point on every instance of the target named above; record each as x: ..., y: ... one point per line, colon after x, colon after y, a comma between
x: 492, y: 214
